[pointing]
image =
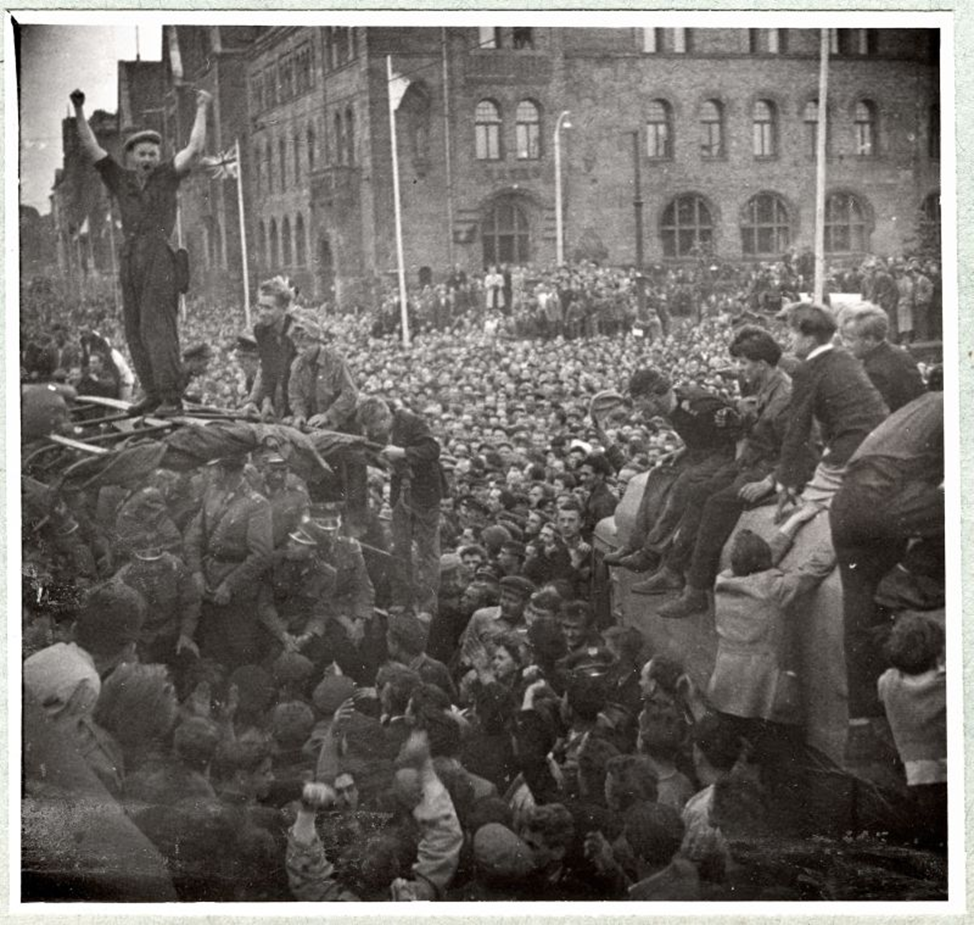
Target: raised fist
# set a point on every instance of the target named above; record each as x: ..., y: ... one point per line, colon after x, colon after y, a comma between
x: 316, y: 796
x: 77, y: 98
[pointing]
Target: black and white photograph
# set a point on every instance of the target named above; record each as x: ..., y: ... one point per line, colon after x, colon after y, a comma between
x: 484, y: 458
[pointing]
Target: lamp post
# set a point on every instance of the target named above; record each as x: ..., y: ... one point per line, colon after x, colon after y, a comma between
x: 560, y: 123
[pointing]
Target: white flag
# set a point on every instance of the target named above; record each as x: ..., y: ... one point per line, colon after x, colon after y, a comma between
x: 398, y: 86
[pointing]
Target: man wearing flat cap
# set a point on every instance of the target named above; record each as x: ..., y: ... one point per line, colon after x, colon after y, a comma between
x: 145, y: 190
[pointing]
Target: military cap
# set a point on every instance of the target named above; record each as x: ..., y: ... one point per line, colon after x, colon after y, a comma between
x: 139, y: 137
x: 518, y: 584
x: 303, y: 536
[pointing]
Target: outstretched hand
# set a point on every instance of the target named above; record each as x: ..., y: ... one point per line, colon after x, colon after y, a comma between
x: 77, y: 98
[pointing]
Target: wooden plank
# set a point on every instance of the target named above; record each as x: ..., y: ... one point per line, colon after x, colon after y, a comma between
x: 78, y: 445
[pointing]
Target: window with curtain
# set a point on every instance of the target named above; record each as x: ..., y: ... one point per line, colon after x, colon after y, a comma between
x: 865, y: 128
x: 712, y: 129
x: 687, y: 226
x: 846, y: 231
x: 765, y: 129
x: 528, y: 131
x: 659, y: 130
x: 487, y: 128
x: 765, y: 226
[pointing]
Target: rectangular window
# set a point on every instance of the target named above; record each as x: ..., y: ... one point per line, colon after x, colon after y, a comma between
x: 657, y: 140
x: 489, y: 37
x: 650, y: 41
x: 763, y: 139
x: 488, y: 139
x: 680, y: 41
x: 864, y: 139
x: 774, y: 41
x: 528, y: 141
x: 833, y: 41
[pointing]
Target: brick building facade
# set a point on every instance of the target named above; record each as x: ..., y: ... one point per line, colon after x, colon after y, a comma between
x: 724, y: 122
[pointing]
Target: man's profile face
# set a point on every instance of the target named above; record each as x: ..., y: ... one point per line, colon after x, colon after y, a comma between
x: 270, y: 308
x: 144, y: 157
x: 853, y: 342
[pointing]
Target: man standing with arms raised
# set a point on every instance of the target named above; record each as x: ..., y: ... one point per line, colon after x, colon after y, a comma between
x: 145, y: 189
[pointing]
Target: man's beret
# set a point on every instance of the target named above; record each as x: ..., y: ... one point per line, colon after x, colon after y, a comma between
x: 139, y: 137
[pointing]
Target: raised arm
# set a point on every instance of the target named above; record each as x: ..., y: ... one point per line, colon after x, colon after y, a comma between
x: 185, y: 159
x: 93, y: 151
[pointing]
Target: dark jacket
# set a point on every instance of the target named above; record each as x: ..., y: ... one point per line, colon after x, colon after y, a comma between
x: 894, y: 373
x: 833, y: 389
x: 417, y: 478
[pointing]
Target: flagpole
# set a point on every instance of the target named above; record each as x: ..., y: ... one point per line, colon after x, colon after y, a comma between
x: 111, y: 250
x: 820, y: 153
x: 243, y: 230
x: 395, y: 194
x: 179, y: 243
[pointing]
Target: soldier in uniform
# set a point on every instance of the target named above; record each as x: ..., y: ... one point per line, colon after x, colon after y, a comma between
x: 228, y: 547
x: 321, y: 390
x: 171, y: 596
x: 292, y: 602
x: 354, y: 639
x: 286, y: 493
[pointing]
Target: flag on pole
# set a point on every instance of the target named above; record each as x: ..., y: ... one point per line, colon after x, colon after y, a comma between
x: 398, y: 85
x: 223, y: 166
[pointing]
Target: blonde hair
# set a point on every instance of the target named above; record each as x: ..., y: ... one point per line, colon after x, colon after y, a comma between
x: 280, y: 288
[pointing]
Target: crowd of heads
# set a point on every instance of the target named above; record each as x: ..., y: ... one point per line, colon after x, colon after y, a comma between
x: 576, y: 760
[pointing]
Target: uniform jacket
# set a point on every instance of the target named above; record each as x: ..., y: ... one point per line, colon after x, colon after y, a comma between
x: 168, y: 588
x: 353, y: 594
x: 293, y: 596
x: 321, y: 382
x: 231, y: 539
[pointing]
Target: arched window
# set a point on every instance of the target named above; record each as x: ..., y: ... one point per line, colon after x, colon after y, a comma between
x: 687, y: 226
x: 765, y: 226
x: 810, y: 118
x: 339, y: 140
x: 286, y: 241
x: 765, y: 129
x: 930, y: 222
x: 865, y: 126
x: 933, y: 137
x: 282, y: 154
x: 506, y: 234
x: 528, y: 131
x: 300, y: 243
x: 659, y: 130
x: 846, y: 231
x: 350, y: 136
x: 311, y: 148
x: 297, y: 159
x: 487, y: 128
x: 712, y: 129
x: 275, y: 253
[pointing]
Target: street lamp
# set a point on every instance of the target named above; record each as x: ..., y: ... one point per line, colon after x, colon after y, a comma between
x: 560, y: 123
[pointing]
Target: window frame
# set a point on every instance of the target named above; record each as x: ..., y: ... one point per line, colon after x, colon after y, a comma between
x: 768, y: 130
x: 659, y: 133
x: 676, y: 228
x: 488, y: 141
x: 852, y: 228
x: 527, y: 132
x: 710, y: 127
x: 752, y: 224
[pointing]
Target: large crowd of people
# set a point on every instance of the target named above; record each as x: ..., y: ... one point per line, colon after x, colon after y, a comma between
x: 412, y: 688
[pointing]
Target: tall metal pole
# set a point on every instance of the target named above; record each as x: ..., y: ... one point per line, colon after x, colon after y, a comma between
x: 447, y: 128
x: 559, y: 218
x: 111, y: 251
x: 820, y: 148
x: 637, y: 208
x: 404, y: 309
x: 243, y: 230
x: 637, y: 200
